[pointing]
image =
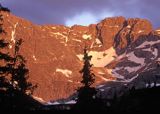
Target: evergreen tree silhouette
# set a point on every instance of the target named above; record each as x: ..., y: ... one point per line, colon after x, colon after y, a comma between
x: 86, y: 93
x: 88, y: 76
x: 5, y: 69
x: 4, y: 56
x: 4, y: 8
x: 20, y: 72
x: 13, y: 73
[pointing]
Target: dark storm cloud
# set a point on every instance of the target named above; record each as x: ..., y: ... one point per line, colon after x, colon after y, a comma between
x: 58, y: 11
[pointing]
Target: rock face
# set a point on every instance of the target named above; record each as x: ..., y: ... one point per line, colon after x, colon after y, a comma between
x: 54, y: 52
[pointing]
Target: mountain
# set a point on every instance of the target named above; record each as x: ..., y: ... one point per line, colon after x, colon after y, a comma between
x: 125, y: 54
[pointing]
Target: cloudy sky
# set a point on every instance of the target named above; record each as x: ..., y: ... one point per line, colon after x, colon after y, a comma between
x: 83, y: 12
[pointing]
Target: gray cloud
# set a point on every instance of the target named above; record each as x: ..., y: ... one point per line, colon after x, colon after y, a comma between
x: 57, y: 11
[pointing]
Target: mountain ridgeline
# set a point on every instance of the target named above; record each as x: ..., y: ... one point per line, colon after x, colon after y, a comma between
x: 125, y: 53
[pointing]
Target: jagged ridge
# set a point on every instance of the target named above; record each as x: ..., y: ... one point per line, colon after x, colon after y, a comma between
x: 54, y: 52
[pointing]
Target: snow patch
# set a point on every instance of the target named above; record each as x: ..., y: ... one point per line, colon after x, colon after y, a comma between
x: 140, y: 31
x: 34, y: 57
x: 158, y: 59
x: 132, y: 57
x: 131, y: 79
x: 71, y: 102
x: 147, y: 49
x: 147, y: 43
x: 109, y: 71
x: 39, y: 99
x: 70, y: 81
x: 155, y: 53
x: 10, y: 46
x: 132, y: 69
x: 158, y: 31
x: 115, y: 74
x: 120, y: 56
x: 100, y: 46
x: 127, y: 80
x: 99, y: 86
x: 92, y: 45
x: 101, y: 59
x: 128, y: 26
x: 157, y: 84
x: 98, y: 41
x: 74, y: 34
x: 101, y: 73
x: 114, y: 26
x: 57, y: 103
x: 101, y: 89
x: 66, y: 72
x: 53, y: 27
x: 59, y: 34
x: 76, y: 40
x: 13, y: 33
x: 152, y: 85
x: 54, y: 103
x: 103, y: 78
x: 87, y: 37
x: 15, y: 82
x: 64, y: 32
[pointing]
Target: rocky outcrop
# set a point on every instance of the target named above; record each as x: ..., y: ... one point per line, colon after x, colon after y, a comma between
x: 54, y: 52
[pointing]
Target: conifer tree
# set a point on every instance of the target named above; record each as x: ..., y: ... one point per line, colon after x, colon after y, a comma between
x: 20, y: 72
x: 4, y: 57
x: 86, y: 93
x: 14, y: 76
x: 13, y: 72
x: 88, y: 76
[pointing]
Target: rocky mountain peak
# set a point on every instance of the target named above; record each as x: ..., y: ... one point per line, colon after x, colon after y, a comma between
x: 54, y: 52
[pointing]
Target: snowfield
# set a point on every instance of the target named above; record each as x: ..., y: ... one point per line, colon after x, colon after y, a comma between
x: 102, y: 58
